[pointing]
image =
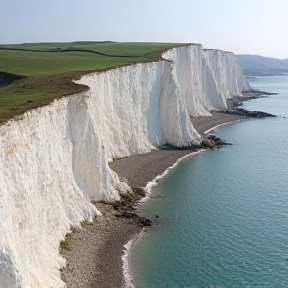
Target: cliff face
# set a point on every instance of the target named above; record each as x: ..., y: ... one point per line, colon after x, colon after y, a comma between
x: 55, y: 160
x: 207, y: 78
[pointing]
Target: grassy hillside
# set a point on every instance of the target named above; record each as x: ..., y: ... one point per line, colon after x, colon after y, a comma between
x: 32, y: 75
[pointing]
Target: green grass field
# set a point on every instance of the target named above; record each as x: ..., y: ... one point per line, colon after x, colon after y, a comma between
x: 33, y: 75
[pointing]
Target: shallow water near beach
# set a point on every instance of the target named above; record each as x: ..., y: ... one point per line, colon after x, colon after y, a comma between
x: 223, y: 214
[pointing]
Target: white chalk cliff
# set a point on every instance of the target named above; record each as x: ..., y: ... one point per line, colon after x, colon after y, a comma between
x: 54, y: 161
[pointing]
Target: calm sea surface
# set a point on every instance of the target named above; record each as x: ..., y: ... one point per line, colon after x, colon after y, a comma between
x: 223, y: 215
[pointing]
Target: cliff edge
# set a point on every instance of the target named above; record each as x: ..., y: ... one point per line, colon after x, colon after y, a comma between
x: 54, y: 161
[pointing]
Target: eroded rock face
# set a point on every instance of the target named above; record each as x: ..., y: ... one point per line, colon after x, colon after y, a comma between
x: 54, y: 161
x: 207, y: 78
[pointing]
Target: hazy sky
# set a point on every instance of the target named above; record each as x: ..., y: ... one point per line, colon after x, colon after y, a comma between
x: 240, y: 26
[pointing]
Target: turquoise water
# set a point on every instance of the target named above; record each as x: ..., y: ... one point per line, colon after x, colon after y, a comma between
x: 277, y: 105
x: 223, y: 215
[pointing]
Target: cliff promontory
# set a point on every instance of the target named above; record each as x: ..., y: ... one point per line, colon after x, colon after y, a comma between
x: 54, y: 161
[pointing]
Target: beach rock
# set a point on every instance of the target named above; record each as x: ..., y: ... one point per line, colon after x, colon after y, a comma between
x: 255, y: 114
x: 212, y: 142
x: 58, y: 156
x: 139, y: 191
x: 145, y: 222
x: 127, y: 214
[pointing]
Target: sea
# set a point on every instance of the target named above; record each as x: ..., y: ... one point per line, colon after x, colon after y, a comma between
x: 221, y: 217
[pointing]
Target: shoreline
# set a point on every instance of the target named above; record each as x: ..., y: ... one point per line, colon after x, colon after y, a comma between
x: 97, y: 250
x: 96, y: 257
x: 205, y: 124
x: 128, y: 274
x: 222, y: 124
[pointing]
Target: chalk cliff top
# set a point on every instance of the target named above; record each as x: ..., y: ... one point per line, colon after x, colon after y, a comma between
x: 33, y: 75
x: 54, y: 160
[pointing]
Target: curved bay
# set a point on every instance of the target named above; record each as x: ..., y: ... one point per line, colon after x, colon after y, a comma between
x: 223, y: 214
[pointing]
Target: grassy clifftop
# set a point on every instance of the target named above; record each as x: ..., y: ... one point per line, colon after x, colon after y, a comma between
x: 33, y: 75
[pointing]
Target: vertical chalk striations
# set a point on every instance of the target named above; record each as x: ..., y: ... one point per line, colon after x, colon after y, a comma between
x: 54, y: 161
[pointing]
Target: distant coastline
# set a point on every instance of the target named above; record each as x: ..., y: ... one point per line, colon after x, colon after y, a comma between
x: 256, y: 65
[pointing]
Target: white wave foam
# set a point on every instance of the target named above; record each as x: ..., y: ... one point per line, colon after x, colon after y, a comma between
x: 154, y: 182
x: 128, y: 276
x: 213, y: 128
